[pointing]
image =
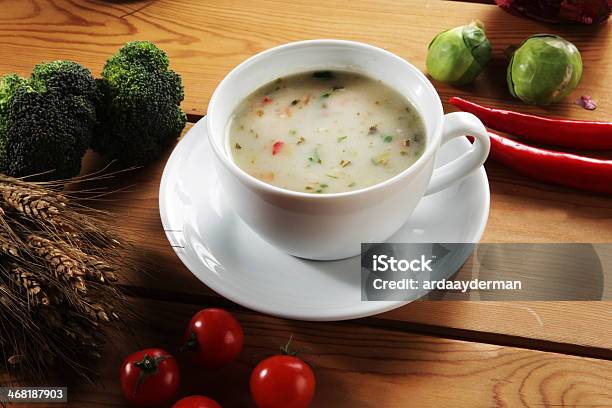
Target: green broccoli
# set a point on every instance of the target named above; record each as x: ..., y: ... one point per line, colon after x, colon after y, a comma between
x: 47, y: 121
x: 138, y: 105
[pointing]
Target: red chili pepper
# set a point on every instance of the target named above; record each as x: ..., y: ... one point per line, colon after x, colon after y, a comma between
x: 565, y: 169
x: 266, y: 100
x: 579, y: 134
x: 277, y: 146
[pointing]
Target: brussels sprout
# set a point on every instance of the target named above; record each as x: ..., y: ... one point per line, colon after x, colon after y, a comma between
x: 457, y: 56
x: 544, y: 70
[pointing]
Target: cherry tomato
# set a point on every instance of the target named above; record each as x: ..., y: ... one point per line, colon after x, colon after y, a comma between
x: 282, y: 382
x: 214, y: 338
x: 149, y: 377
x: 196, y: 401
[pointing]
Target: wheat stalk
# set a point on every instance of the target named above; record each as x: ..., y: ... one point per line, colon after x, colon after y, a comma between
x: 100, y: 270
x: 29, y: 282
x: 7, y: 241
x: 95, y: 268
x: 7, y: 245
x: 58, y: 264
x: 32, y: 201
x: 96, y: 312
x: 62, y: 265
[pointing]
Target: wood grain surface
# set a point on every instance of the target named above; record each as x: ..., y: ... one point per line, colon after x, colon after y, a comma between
x: 206, y: 39
x: 359, y: 366
x: 472, y: 354
x: 521, y: 210
x: 506, y: 322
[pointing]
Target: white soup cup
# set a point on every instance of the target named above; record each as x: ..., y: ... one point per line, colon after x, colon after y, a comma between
x: 332, y: 226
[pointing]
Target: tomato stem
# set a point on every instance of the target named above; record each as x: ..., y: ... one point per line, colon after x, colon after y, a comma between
x: 287, y: 351
x: 148, y: 366
x: 191, y: 343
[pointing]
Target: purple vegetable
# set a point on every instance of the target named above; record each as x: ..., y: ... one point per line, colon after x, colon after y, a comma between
x: 586, y: 102
x: 560, y: 11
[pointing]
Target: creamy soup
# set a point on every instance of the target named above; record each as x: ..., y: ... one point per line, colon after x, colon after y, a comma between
x: 325, y: 132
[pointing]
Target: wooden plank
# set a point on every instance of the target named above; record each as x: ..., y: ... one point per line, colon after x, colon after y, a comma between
x: 520, y: 216
x: 357, y: 366
x: 206, y: 39
x: 476, y: 1
x: 523, y: 210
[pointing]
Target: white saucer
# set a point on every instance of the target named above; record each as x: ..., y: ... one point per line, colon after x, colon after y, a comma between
x: 225, y: 254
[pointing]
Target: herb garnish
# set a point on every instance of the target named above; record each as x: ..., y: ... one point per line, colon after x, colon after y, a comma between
x: 326, y: 75
x: 237, y: 146
x: 301, y: 140
x: 331, y: 176
x: 381, y: 159
x: 387, y: 138
x: 322, y: 186
x: 294, y: 102
x: 352, y: 184
x: 314, y: 158
x: 373, y: 129
x: 337, y: 88
x: 326, y: 95
x: 344, y: 163
x: 341, y: 138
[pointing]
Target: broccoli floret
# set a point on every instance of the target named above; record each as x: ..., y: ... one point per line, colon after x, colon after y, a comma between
x: 65, y: 77
x: 138, y: 105
x: 9, y: 84
x: 47, y: 121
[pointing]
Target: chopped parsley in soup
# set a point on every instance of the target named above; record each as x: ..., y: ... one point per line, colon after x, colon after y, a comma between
x: 325, y: 132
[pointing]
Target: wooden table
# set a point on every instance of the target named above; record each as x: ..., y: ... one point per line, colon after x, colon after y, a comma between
x: 426, y: 354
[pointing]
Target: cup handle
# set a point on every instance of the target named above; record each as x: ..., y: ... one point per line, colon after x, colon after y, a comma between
x: 458, y: 124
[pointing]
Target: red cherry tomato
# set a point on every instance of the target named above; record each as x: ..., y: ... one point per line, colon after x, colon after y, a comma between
x: 149, y: 377
x: 196, y: 401
x: 214, y: 338
x: 282, y: 382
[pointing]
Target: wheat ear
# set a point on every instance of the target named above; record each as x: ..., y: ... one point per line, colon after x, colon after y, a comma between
x: 32, y: 202
x: 27, y: 281
x: 63, y: 266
